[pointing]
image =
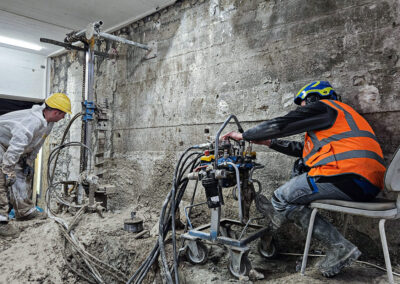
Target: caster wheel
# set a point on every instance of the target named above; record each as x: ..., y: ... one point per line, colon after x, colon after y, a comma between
x: 244, y: 270
x: 267, y: 249
x: 201, y: 258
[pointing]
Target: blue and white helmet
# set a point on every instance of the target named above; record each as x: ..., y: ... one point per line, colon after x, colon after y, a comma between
x: 322, y: 88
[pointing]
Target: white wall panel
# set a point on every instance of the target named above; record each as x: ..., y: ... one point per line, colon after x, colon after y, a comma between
x: 22, y: 74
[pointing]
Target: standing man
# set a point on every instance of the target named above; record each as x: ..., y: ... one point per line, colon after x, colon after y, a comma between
x: 343, y: 160
x: 22, y: 134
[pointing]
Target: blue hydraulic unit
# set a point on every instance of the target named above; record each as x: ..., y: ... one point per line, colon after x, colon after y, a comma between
x: 226, y: 164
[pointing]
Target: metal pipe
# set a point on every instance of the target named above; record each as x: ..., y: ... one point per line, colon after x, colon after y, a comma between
x: 73, y: 47
x: 94, y: 28
x: 95, y: 25
x: 308, y: 241
x: 89, y: 83
x: 247, y: 224
x: 385, y: 250
x: 219, y: 133
x: 188, y: 213
x: 123, y: 40
x: 215, y: 219
x: 239, y: 191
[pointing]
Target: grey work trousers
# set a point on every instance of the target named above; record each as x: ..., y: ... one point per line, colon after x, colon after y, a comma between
x: 18, y: 194
x: 297, y: 192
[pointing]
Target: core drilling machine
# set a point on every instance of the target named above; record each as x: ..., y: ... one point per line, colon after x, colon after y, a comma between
x: 226, y: 164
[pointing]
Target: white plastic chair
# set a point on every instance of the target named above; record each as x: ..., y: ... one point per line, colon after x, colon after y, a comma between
x: 382, y: 209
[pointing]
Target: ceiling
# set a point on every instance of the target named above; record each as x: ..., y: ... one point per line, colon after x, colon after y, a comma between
x: 33, y: 19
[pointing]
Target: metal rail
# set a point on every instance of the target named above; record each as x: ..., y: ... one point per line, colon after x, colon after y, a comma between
x: 93, y: 29
x: 219, y: 133
x: 73, y: 47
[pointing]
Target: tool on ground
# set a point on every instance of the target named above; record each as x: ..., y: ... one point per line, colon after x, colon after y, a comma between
x: 134, y: 224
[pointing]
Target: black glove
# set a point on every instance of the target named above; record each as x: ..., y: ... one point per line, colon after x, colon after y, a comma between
x: 28, y: 171
x: 299, y: 168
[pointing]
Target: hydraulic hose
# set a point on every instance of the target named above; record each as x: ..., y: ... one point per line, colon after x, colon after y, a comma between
x: 167, y: 220
x: 56, y: 151
x: 64, y: 135
x: 82, y: 255
x: 181, y: 172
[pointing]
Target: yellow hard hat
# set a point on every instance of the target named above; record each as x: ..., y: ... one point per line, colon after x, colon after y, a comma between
x: 59, y: 101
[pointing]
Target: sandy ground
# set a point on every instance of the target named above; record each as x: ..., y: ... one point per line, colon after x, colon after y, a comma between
x: 36, y: 256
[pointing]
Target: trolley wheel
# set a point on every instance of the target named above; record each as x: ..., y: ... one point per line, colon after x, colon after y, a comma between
x: 201, y: 258
x: 267, y: 249
x: 244, y: 270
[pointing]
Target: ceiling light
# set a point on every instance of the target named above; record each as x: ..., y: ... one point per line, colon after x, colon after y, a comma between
x: 19, y: 43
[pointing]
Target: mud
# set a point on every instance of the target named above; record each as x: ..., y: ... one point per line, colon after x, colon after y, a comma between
x: 37, y: 255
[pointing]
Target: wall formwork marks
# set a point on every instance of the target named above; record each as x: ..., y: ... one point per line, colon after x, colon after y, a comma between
x: 247, y: 58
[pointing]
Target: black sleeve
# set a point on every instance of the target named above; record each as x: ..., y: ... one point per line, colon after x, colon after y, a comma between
x: 291, y: 148
x: 313, y: 116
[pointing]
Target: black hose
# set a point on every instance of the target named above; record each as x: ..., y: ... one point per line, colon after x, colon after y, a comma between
x: 56, y: 150
x: 182, y: 171
x: 64, y: 135
x: 162, y: 249
x: 167, y: 220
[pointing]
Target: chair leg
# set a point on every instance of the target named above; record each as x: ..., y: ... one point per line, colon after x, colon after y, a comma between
x: 385, y: 250
x: 308, y: 241
x: 346, y: 224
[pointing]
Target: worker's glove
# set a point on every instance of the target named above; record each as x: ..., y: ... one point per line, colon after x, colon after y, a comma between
x: 10, y: 179
x: 28, y: 171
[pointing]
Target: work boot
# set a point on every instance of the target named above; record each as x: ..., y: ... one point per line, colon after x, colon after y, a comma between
x: 8, y: 230
x: 265, y: 207
x: 340, y: 252
x: 338, y: 256
x: 34, y: 215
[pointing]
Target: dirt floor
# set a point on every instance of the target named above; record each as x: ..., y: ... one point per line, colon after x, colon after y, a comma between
x: 37, y: 256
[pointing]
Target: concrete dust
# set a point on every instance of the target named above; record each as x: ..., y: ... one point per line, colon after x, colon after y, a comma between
x: 36, y: 256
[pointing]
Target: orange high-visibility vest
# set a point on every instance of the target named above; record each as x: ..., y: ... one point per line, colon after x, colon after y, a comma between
x: 348, y: 147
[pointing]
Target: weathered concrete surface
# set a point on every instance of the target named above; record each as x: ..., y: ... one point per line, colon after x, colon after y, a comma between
x: 248, y: 58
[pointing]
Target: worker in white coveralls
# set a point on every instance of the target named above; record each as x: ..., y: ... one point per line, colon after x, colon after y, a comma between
x: 22, y: 134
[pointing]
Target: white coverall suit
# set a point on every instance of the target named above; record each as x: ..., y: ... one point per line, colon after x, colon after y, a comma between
x: 22, y: 134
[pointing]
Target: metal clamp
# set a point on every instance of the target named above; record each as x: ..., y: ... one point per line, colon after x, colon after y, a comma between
x: 89, y: 110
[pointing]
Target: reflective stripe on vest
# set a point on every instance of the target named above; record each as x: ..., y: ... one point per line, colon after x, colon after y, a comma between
x: 355, y: 132
x: 351, y: 155
x: 328, y: 157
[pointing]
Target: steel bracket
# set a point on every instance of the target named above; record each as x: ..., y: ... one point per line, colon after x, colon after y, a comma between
x: 89, y: 110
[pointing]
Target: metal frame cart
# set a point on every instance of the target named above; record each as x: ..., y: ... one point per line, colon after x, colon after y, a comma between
x: 223, y: 166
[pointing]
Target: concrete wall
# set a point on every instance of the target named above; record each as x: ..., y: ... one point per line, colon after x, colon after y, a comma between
x: 248, y: 58
x: 22, y: 74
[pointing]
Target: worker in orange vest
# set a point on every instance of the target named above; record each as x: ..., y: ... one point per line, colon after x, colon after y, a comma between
x: 340, y: 158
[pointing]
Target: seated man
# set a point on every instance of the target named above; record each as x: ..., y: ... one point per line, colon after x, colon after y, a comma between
x: 343, y: 158
x: 22, y: 134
